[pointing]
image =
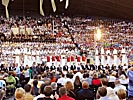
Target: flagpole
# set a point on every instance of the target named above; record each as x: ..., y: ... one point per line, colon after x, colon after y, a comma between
x: 53, y: 26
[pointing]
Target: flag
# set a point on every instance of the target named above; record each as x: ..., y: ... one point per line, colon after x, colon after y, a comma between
x: 5, y: 3
x: 53, y: 5
x: 41, y: 9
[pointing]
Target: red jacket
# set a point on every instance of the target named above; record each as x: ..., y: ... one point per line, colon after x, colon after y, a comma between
x: 65, y: 97
x: 96, y: 82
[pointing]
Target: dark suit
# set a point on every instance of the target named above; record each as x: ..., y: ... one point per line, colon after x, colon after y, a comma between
x: 52, y: 68
x: 73, y: 67
x: 85, y: 94
x: 65, y: 68
x: 83, y: 67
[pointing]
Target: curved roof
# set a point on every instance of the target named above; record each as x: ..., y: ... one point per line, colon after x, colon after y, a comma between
x: 106, y: 8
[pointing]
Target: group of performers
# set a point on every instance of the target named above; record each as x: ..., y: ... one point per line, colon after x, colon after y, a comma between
x: 25, y: 55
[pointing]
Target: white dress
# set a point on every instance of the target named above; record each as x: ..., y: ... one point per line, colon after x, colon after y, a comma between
x: 102, y: 57
x: 115, y: 57
x: 17, y: 60
x: 124, y: 57
x: 97, y: 61
x: 25, y: 57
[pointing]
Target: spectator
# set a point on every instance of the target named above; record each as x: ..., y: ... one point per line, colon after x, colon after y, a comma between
x: 20, y: 94
x: 110, y: 92
x: 130, y: 84
x: 11, y: 82
x: 2, y: 83
x: 118, y: 86
x: 63, y: 94
x: 17, y: 70
x: 102, y: 91
x: 122, y: 94
x: 28, y: 95
x: 61, y: 81
x: 48, y: 91
x: 70, y: 89
x: 85, y: 93
x: 27, y: 74
x: 95, y: 80
x: 45, y: 78
x: 77, y: 84
x: 35, y: 89
x: 123, y: 80
x: 41, y: 95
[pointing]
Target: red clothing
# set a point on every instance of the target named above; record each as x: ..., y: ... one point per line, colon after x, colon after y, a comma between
x: 83, y: 58
x: 53, y: 58
x: 96, y: 82
x: 53, y: 79
x: 68, y: 59
x: 78, y: 59
x: 58, y: 58
x: 48, y: 58
x: 72, y: 58
x: 65, y: 97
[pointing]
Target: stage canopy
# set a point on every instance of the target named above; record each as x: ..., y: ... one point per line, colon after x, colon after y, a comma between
x: 106, y: 8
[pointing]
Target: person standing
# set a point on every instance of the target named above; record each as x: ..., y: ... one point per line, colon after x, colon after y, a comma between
x: 17, y: 70
x: 34, y: 70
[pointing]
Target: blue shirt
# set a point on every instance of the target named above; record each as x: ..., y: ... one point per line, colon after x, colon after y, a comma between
x: 17, y: 70
x: 130, y: 84
x: 104, y: 98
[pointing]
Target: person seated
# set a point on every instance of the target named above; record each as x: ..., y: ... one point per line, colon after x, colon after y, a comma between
x: 48, y: 91
x: 85, y: 93
x: 20, y: 94
x: 11, y: 83
x: 110, y: 92
x: 118, y: 86
x: 2, y: 83
x: 122, y: 94
x: 96, y: 81
x: 63, y: 94
x: 28, y: 95
x: 35, y: 89
x: 77, y: 84
x: 102, y: 91
x: 70, y: 89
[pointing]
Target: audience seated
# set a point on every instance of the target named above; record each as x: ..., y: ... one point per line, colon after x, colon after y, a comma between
x: 85, y: 93
x: 118, y: 86
x: 19, y: 94
x: 63, y: 94
x: 70, y: 89
x: 122, y: 94
x: 28, y: 95
x: 102, y: 91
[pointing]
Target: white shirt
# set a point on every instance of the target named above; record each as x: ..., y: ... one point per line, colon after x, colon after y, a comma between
x: 118, y: 87
x: 126, y: 81
x: 26, y: 73
x: 111, y: 78
x: 61, y: 81
x: 39, y: 96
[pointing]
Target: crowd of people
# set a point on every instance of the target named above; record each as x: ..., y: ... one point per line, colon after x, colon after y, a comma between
x: 61, y: 59
x: 89, y: 82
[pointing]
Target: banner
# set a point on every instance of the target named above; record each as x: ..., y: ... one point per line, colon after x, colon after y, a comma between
x: 41, y: 9
x: 67, y: 3
x: 53, y: 5
x: 5, y: 3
